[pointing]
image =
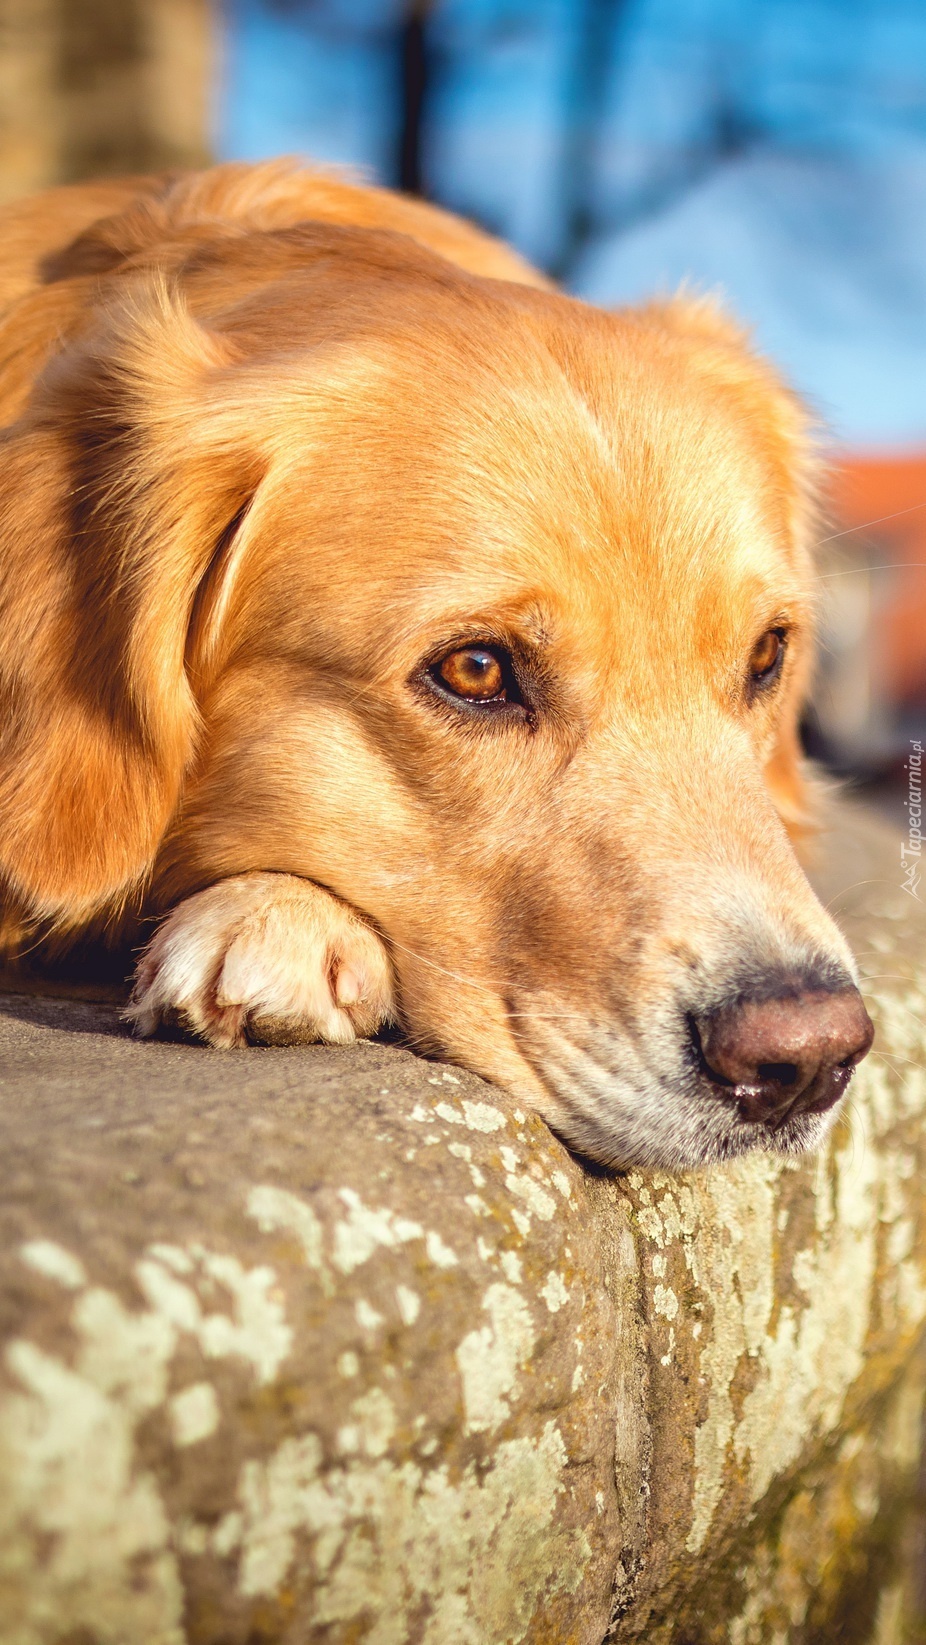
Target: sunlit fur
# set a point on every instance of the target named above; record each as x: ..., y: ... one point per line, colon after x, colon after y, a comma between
x: 271, y: 443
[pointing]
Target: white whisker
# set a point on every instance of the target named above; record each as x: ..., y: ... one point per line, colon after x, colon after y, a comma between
x: 856, y: 886
x: 880, y: 565
x: 882, y: 519
x: 455, y: 976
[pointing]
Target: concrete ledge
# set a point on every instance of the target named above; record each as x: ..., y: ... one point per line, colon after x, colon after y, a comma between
x: 322, y: 1345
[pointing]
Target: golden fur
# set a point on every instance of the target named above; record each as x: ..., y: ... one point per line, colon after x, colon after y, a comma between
x: 273, y: 443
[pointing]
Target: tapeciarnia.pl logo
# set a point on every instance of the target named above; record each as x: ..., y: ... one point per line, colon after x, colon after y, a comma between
x: 911, y: 852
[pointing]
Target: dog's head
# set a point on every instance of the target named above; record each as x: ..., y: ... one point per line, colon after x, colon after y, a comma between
x: 487, y: 611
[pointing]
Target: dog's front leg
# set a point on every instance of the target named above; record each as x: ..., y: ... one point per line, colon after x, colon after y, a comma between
x: 265, y: 958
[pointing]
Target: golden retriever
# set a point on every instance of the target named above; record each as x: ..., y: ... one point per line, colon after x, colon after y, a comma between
x: 427, y: 645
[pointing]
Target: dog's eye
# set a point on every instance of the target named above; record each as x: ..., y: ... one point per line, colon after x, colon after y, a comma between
x: 767, y: 657
x: 474, y: 673
x: 481, y: 681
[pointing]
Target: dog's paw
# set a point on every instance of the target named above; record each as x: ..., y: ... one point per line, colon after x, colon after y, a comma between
x: 267, y: 959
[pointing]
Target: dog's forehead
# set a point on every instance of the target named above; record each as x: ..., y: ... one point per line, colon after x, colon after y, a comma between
x: 596, y: 469
x: 558, y: 474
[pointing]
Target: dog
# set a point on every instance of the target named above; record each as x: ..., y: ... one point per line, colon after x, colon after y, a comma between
x: 422, y: 646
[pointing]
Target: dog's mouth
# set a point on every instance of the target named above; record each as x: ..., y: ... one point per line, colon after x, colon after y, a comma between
x: 676, y: 1096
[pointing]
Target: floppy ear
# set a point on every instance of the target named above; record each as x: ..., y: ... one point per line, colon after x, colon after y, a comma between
x: 119, y: 489
x: 721, y: 351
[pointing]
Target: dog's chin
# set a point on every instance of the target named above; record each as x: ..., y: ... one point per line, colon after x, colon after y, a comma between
x: 624, y: 1097
x: 674, y: 1132
x: 618, y: 1112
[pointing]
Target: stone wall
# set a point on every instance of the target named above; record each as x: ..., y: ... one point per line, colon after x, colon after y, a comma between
x: 341, y: 1346
x: 95, y: 87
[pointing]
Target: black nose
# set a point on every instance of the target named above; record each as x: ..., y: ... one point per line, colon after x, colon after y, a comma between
x: 786, y: 1056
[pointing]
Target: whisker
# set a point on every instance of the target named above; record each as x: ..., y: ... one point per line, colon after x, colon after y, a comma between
x: 455, y: 976
x: 552, y: 1016
x: 362, y: 691
x: 487, y: 988
x: 851, y: 530
x: 856, y: 886
x: 903, y: 1083
x: 896, y: 1004
x: 895, y: 1056
x: 886, y: 976
x: 852, y: 1123
x: 857, y: 1133
x: 880, y: 565
x: 880, y: 976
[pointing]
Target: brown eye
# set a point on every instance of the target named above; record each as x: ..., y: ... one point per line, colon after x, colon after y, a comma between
x: 767, y: 655
x: 473, y: 673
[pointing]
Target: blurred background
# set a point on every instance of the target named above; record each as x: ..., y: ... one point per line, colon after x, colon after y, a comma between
x: 770, y: 150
